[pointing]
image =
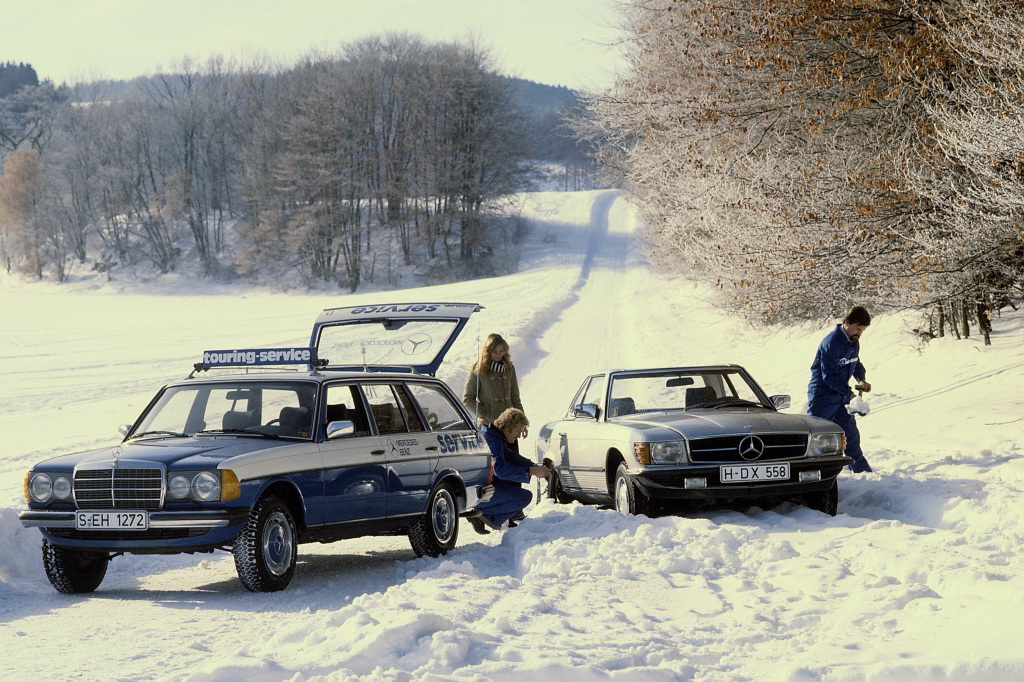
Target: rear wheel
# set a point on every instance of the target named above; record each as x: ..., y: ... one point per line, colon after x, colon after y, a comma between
x: 628, y: 498
x: 266, y: 549
x: 437, y: 530
x: 825, y: 501
x: 72, y: 571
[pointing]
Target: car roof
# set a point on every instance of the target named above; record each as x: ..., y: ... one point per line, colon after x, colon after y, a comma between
x: 689, y: 368
x: 319, y: 376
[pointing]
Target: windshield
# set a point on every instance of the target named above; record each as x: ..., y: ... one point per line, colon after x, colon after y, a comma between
x: 681, y: 390
x: 270, y: 408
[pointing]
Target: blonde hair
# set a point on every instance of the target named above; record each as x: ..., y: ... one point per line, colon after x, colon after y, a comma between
x: 511, y: 418
x: 483, y: 363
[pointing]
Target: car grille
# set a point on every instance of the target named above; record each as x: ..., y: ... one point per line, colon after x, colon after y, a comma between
x: 726, y: 448
x: 118, y: 488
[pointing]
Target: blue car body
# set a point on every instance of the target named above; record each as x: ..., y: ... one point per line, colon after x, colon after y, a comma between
x: 349, y: 453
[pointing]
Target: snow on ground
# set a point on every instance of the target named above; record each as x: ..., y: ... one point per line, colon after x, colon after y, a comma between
x: 919, y: 577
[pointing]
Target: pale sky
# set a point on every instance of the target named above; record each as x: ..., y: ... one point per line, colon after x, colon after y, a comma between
x: 558, y: 42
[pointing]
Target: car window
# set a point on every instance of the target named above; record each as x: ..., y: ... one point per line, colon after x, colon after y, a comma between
x: 441, y: 413
x: 344, y: 403
x: 578, y: 399
x: 387, y: 411
x: 412, y: 416
x: 595, y: 392
x: 678, y: 390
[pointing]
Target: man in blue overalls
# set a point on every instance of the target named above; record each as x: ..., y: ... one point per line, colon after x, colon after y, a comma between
x: 511, y: 470
x: 836, y: 362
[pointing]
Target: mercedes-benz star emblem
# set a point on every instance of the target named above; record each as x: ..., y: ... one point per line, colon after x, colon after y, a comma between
x: 117, y: 455
x: 751, y: 447
x: 416, y: 343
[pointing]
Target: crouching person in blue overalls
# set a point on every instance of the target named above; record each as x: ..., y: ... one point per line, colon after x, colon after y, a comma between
x: 511, y: 470
x: 835, y: 363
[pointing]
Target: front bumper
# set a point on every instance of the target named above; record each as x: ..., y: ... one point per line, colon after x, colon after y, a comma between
x: 169, y: 531
x: 669, y: 484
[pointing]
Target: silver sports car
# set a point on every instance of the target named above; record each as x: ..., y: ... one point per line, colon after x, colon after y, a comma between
x: 640, y: 438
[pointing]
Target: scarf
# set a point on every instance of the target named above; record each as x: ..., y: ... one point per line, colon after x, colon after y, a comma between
x: 497, y: 367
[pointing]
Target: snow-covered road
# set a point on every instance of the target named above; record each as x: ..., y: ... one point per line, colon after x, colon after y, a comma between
x: 919, y: 577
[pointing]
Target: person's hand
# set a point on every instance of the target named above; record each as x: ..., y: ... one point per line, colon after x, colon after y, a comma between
x: 864, y: 386
x: 540, y: 472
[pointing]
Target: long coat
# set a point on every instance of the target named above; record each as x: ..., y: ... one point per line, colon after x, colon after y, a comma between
x: 488, y: 395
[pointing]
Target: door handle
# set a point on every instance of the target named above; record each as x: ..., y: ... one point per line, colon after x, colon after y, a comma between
x: 376, y: 452
x: 431, y: 447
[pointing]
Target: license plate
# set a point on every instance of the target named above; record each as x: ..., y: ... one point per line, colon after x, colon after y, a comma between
x: 111, y: 520
x: 752, y: 473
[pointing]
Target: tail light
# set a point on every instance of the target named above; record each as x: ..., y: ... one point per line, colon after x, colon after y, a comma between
x: 490, y: 475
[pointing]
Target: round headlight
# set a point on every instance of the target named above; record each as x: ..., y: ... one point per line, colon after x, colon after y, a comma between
x: 179, y: 487
x: 206, y: 487
x: 62, y: 487
x: 40, y: 487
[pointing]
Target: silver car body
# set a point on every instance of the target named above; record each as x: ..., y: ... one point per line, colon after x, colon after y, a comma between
x: 711, y: 448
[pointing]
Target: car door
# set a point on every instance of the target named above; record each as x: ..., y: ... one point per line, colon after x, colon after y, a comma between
x: 410, y: 464
x: 457, y: 443
x: 355, y: 464
x: 579, y: 444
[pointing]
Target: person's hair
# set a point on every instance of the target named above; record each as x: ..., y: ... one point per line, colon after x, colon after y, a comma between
x: 483, y: 363
x: 858, y: 315
x: 511, y: 418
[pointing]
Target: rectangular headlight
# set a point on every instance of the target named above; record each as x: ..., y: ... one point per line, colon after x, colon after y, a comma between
x: 825, y: 444
x: 669, y: 452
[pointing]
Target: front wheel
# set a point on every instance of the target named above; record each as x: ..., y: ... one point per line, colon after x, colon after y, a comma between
x: 555, y: 490
x: 72, y: 571
x: 825, y: 501
x: 437, y: 530
x: 266, y: 548
x: 628, y: 498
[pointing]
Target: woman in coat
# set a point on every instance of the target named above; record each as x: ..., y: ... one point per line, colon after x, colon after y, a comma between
x: 492, y: 386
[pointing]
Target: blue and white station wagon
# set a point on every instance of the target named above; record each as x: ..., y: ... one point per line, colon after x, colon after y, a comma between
x: 358, y: 439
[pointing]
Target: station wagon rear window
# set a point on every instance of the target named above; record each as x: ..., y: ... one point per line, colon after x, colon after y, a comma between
x: 377, y: 343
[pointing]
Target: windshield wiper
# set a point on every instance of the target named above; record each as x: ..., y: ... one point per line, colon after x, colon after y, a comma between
x: 739, y: 402
x: 244, y: 432
x: 173, y: 434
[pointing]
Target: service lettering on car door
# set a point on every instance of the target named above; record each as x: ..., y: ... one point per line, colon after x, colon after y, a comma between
x: 410, y: 465
x: 458, y: 442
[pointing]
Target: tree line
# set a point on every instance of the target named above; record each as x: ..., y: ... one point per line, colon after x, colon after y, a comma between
x: 312, y: 167
x: 804, y: 155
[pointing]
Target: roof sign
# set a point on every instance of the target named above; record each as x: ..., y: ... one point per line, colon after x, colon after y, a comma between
x: 257, y: 357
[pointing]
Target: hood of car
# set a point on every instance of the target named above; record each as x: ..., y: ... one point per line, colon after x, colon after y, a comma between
x: 705, y: 423
x: 199, y: 452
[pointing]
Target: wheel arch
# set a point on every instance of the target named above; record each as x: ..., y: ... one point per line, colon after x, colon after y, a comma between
x: 290, y: 495
x: 611, y: 465
x: 454, y: 479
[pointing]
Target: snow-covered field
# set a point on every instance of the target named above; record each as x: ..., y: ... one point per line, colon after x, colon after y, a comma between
x: 919, y: 577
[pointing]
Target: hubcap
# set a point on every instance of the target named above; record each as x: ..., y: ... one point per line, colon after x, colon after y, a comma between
x: 443, y: 516
x: 621, y: 496
x: 278, y: 543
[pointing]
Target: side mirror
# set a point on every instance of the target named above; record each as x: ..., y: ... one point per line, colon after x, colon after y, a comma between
x: 588, y: 410
x: 780, y: 402
x: 123, y: 429
x: 339, y: 429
